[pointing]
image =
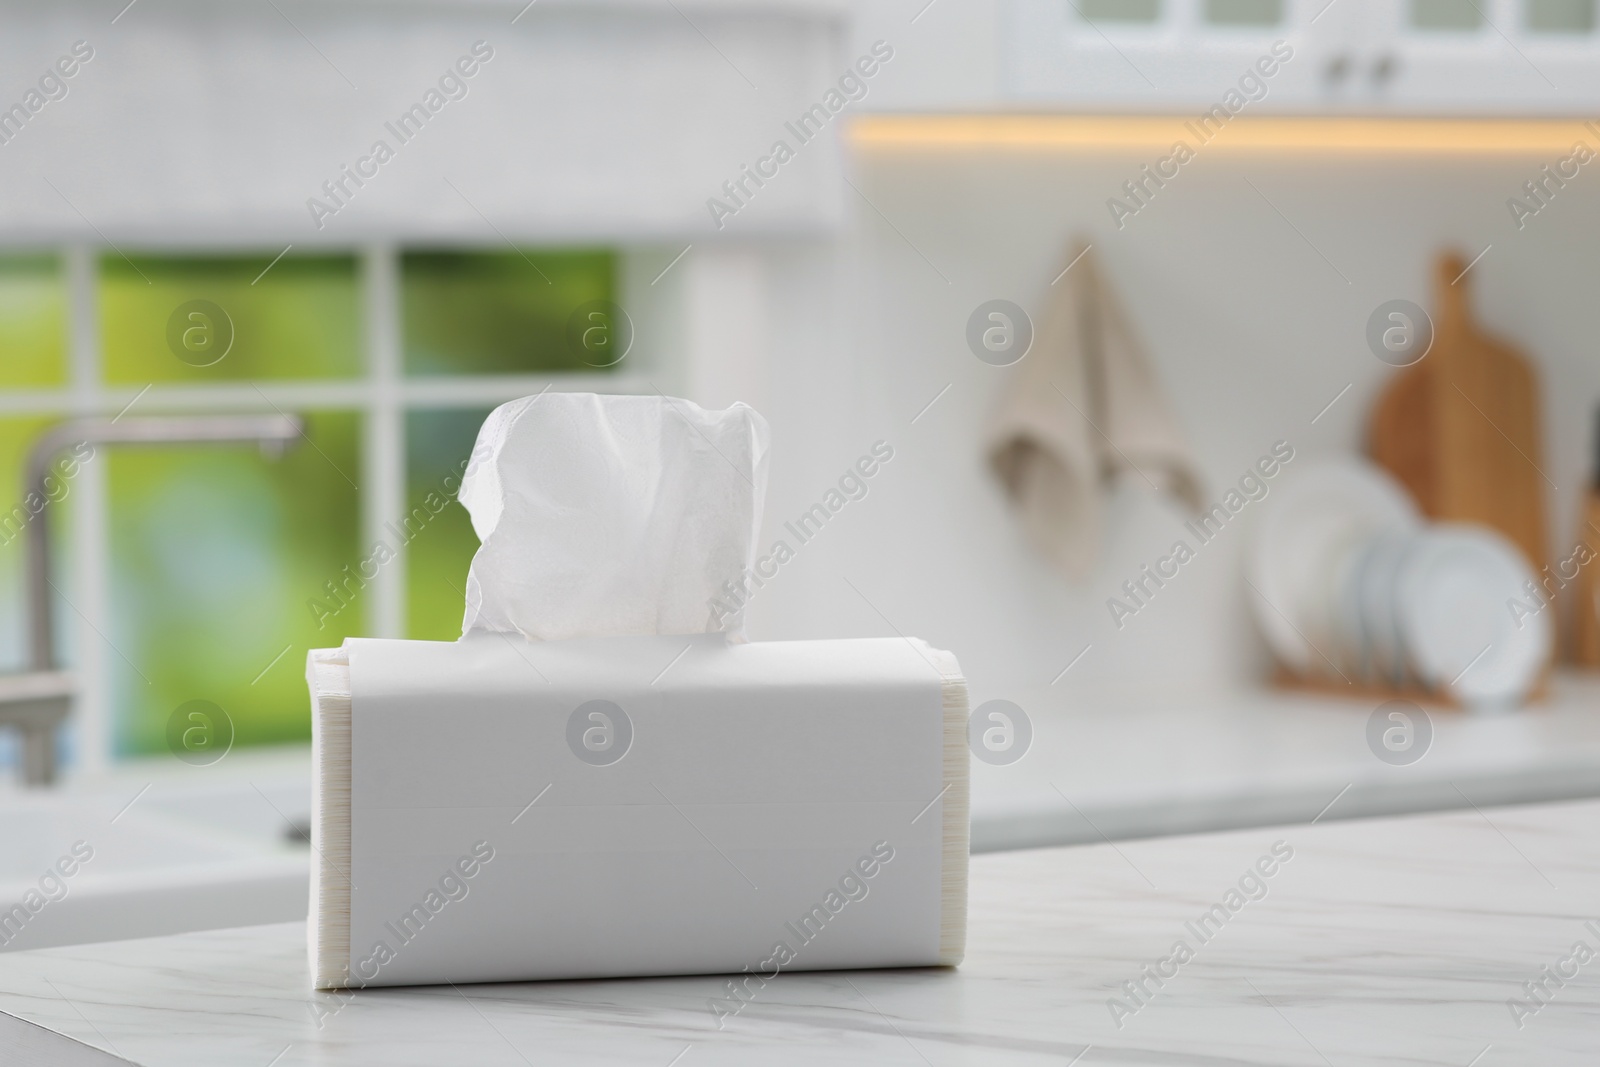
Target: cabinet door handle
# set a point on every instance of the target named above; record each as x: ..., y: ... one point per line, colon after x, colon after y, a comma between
x: 1384, y: 69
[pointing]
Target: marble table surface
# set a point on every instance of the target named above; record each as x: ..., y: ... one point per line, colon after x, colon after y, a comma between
x: 1393, y: 941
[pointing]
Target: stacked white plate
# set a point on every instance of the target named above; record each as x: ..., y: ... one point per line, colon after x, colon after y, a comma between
x: 1350, y: 584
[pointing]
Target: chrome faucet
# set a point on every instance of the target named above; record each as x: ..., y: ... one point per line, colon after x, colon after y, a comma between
x: 37, y: 702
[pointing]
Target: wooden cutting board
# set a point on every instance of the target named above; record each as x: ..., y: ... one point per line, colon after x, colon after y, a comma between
x: 1461, y: 429
x: 1585, y: 591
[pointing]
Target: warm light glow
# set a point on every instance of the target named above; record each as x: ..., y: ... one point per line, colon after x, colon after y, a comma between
x: 1057, y: 133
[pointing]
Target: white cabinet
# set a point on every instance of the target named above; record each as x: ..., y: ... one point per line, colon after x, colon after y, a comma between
x: 1505, y: 57
x: 584, y: 121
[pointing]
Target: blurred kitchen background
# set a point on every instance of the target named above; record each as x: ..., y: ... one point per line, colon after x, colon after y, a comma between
x: 576, y: 214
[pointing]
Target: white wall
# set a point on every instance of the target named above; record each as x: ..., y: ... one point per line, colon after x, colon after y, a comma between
x: 1251, y: 329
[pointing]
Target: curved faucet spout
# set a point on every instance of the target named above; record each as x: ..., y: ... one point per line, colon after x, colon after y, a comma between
x: 272, y: 432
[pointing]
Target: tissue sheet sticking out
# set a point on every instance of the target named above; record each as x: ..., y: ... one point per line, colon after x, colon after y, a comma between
x: 611, y: 515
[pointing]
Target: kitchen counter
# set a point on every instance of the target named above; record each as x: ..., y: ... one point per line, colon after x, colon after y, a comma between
x: 181, y: 848
x: 174, y: 847
x: 1380, y: 942
x: 1145, y: 763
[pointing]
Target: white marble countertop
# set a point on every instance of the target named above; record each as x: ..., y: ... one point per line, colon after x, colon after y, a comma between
x: 1143, y: 763
x: 1395, y: 941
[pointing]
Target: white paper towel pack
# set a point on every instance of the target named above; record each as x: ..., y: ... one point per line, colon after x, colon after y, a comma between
x: 493, y: 810
x: 593, y: 781
x: 611, y: 515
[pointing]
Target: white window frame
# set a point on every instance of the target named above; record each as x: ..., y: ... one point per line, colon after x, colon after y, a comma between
x: 381, y: 394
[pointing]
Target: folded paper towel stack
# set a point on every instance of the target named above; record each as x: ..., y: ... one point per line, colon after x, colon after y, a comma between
x: 599, y: 779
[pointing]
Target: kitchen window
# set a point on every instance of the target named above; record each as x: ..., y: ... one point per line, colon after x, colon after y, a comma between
x: 208, y: 570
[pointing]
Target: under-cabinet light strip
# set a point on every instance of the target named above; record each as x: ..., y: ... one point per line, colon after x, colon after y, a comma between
x: 1056, y: 133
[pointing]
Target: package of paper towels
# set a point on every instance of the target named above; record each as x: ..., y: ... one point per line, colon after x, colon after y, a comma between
x: 611, y: 804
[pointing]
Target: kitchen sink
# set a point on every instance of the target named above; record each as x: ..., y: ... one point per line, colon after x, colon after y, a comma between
x: 171, y: 848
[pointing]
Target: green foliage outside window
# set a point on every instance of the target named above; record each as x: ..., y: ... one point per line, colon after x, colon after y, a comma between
x: 222, y: 558
x: 500, y: 312
x: 300, y: 320
x: 33, y: 322
x: 437, y: 446
x: 215, y: 551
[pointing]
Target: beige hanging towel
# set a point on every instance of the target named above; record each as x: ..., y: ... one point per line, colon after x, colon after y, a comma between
x: 1083, y: 408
